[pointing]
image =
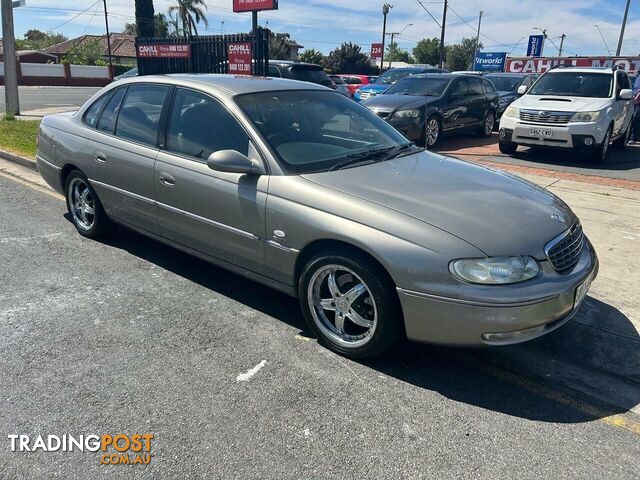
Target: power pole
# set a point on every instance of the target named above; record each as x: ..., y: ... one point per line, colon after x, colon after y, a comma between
x: 444, y: 24
x: 385, y: 11
x: 393, y: 34
x: 106, y: 23
x: 562, y: 37
x: 11, y: 97
x: 624, y: 25
x: 478, y: 37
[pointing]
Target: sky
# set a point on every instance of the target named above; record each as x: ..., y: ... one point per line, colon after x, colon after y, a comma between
x: 325, y: 24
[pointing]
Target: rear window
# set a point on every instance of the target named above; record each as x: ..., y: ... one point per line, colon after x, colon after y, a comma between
x: 310, y: 74
x: 419, y: 86
x: 91, y: 117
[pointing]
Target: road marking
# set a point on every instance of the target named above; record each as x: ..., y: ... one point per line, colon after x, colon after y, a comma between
x: 245, y: 377
x: 31, y: 185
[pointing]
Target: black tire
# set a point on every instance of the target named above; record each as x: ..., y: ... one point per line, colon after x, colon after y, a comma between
x: 426, y: 138
x: 484, y: 131
x: 507, y: 148
x: 99, y: 223
x: 381, y: 294
x: 622, y: 142
x: 599, y: 153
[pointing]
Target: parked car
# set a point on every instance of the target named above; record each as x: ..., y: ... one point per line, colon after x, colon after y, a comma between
x: 341, y: 85
x: 306, y: 72
x: 468, y: 72
x: 571, y: 108
x: 427, y: 106
x: 507, y: 85
x: 388, y: 78
x: 128, y: 74
x: 297, y: 187
x: 372, y: 78
x: 354, y: 82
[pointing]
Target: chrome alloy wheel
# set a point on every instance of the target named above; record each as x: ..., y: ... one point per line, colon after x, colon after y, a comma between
x: 82, y: 204
x: 432, y: 132
x: 489, y: 123
x: 605, y: 145
x: 342, y: 305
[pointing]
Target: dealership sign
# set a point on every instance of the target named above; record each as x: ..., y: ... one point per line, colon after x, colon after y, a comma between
x: 239, y: 56
x: 489, y: 61
x: 541, y: 65
x: 254, y: 5
x: 376, y: 50
x: 164, y: 50
x: 536, y: 44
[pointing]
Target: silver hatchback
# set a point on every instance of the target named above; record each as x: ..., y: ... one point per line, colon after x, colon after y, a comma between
x: 299, y: 188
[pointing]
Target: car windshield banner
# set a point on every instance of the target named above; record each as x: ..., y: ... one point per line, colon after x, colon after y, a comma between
x: 536, y: 44
x: 254, y: 5
x: 543, y: 64
x: 376, y: 50
x: 239, y: 56
x: 490, y: 61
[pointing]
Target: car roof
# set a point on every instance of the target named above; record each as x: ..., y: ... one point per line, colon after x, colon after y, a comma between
x: 228, y: 84
x: 292, y: 63
x: 438, y: 75
x: 509, y: 74
x: 603, y: 70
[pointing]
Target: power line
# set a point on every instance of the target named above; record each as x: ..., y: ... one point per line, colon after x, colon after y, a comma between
x: 432, y: 17
x: 495, y: 42
x: 76, y: 16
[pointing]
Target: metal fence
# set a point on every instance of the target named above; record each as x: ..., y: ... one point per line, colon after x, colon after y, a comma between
x: 208, y: 54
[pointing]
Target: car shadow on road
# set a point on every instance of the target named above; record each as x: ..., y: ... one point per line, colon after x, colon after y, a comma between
x: 601, y: 339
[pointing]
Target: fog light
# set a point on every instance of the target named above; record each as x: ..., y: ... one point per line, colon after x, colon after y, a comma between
x: 588, y: 141
x: 503, y: 134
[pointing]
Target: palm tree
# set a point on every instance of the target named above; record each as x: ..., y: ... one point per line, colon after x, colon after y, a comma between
x: 190, y: 13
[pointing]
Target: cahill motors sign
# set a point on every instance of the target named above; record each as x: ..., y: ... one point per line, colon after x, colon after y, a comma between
x: 254, y: 5
x: 542, y: 64
x: 489, y: 61
x: 164, y: 50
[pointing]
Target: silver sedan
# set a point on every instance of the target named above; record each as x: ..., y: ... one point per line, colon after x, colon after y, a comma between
x: 299, y: 188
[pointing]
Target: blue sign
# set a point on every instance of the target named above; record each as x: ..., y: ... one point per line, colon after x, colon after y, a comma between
x: 536, y: 44
x: 489, y: 61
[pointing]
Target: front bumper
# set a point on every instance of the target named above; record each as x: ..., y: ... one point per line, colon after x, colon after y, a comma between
x: 570, y: 136
x: 411, y: 128
x: 459, y: 322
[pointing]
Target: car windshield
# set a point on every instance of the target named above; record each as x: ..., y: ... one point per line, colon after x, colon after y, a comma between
x: 574, y: 84
x: 505, y: 83
x: 431, y: 86
x: 393, y: 75
x: 316, y: 131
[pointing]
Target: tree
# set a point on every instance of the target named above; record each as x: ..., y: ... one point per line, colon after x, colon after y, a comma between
x: 35, y: 40
x: 427, y: 51
x: 144, y: 18
x: 190, y: 13
x: 394, y: 54
x: 347, y: 58
x: 310, y: 55
x: 460, y: 56
x: 160, y: 26
x: 278, y: 46
x: 85, y: 53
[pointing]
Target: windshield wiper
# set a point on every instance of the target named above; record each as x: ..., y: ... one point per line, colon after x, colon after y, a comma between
x: 354, y: 158
x: 400, y: 151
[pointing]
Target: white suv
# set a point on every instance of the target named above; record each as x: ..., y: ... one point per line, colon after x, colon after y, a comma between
x: 572, y: 108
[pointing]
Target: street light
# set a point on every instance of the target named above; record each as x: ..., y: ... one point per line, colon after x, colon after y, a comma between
x: 393, y: 35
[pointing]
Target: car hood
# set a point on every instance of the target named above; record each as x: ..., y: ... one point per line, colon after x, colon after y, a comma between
x: 561, y: 104
x: 494, y: 211
x: 392, y: 101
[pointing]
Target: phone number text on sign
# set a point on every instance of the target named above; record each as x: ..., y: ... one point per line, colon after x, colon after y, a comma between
x: 164, y: 50
x: 239, y: 55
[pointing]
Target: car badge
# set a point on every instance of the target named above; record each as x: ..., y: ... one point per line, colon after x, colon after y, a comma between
x: 557, y: 218
x: 544, y: 114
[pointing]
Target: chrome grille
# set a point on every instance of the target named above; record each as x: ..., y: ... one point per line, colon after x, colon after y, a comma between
x: 564, y: 251
x: 365, y: 95
x: 543, y: 116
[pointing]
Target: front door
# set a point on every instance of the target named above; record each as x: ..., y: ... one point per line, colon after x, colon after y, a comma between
x: 220, y: 214
x: 456, y: 110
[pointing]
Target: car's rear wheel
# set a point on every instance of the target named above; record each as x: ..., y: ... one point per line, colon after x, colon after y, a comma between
x: 84, y: 206
x: 431, y: 132
x: 350, y: 304
x: 487, y: 126
x: 599, y: 153
x: 507, y: 147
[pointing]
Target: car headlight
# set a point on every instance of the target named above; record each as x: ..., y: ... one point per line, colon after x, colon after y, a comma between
x: 407, y: 114
x: 585, y: 117
x: 495, y: 270
x: 513, y: 112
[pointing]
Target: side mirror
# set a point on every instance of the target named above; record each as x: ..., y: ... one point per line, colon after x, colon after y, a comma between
x: 522, y: 89
x: 625, y: 94
x: 232, y: 161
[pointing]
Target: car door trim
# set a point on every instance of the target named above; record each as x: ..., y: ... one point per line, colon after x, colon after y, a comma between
x: 48, y: 163
x: 123, y: 192
x: 274, y: 244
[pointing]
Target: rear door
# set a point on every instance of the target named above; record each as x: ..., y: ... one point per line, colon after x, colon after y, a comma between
x: 122, y: 150
x: 478, y: 101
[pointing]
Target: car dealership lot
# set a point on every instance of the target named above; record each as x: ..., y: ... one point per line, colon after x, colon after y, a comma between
x: 129, y: 335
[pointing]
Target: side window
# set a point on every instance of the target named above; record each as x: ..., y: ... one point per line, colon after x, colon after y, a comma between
x: 107, y: 121
x: 623, y: 81
x: 274, y: 72
x: 91, y: 115
x: 140, y: 113
x: 488, y: 86
x: 199, y: 126
x: 459, y: 88
x: 475, y: 86
x: 355, y: 81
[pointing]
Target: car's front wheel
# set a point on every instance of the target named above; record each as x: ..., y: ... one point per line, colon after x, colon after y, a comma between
x: 599, y: 153
x: 349, y: 303
x: 507, y: 147
x: 431, y: 132
x: 622, y: 142
x: 84, y: 206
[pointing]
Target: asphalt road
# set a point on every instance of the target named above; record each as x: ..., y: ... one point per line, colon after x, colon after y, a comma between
x: 128, y: 335
x: 38, y: 98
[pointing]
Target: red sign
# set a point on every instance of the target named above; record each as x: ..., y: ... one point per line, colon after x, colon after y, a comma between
x: 239, y: 56
x: 254, y: 5
x: 542, y: 64
x: 376, y: 50
x: 164, y: 50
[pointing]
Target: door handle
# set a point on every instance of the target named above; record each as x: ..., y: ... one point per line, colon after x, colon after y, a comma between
x: 100, y: 157
x: 167, y: 180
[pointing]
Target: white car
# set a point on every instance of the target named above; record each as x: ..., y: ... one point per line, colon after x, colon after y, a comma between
x: 571, y: 108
